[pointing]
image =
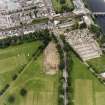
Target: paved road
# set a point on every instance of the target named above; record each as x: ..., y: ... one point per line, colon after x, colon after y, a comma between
x: 65, y: 73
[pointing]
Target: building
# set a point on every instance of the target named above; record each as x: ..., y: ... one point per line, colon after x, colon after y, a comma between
x: 16, y: 12
x: 83, y: 43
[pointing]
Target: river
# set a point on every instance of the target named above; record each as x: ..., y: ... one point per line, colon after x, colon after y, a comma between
x: 98, y: 6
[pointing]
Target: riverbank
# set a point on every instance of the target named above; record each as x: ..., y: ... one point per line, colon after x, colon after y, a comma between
x: 97, y: 28
x: 97, y: 6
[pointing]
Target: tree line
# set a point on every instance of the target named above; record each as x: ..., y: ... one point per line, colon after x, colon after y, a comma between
x: 43, y: 36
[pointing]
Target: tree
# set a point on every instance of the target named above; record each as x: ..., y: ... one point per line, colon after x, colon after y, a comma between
x: 62, y: 1
x: 95, y: 29
x: 23, y: 92
x: 11, y: 99
x: 14, y: 77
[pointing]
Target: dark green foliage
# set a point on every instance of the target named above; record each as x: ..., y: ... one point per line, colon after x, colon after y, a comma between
x: 4, y: 89
x: 69, y: 65
x: 11, y: 99
x: 23, y: 92
x: 43, y: 35
x: 14, y: 77
x: 62, y: 1
x: 95, y: 29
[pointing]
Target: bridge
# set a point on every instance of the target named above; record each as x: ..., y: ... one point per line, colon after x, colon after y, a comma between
x: 98, y: 13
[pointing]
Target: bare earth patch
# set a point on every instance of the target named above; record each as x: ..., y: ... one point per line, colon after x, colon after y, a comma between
x: 51, y: 59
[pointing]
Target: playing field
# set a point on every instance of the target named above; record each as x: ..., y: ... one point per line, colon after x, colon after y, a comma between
x: 87, y: 90
x: 100, y: 98
x: 12, y: 58
x: 11, y: 63
x: 83, y: 92
x: 41, y: 89
x: 42, y: 98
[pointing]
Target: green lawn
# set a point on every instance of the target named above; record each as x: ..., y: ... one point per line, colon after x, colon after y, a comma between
x: 58, y: 6
x: 100, y: 98
x: 83, y: 92
x: 98, y: 64
x: 11, y: 63
x: 25, y: 49
x: 12, y: 59
x: 41, y: 89
x: 40, y: 20
x: 85, y: 85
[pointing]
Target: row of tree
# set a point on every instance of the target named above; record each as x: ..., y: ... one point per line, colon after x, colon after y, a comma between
x: 69, y: 65
x: 61, y: 67
x: 43, y: 35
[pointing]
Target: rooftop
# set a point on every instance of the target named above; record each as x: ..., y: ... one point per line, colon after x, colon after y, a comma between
x: 14, y: 4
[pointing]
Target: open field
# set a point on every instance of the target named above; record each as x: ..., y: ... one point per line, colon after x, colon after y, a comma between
x: 12, y: 59
x: 25, y: 49
x: 59, y: 7
x: 100, y: 98
x: 11, y: 63
x: 83, y: 92
x: 88, y: 87
x: 41, y: 89
x: 98, y: 64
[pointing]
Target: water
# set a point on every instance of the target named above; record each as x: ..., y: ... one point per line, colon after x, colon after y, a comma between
x: 98, y: 6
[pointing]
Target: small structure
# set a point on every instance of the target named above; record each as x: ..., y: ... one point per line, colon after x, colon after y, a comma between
x: 102, y: 75
x: 88, y: 20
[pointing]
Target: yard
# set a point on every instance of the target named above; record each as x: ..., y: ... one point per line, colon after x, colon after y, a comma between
x: 87, y: 90
x: 41, y: 89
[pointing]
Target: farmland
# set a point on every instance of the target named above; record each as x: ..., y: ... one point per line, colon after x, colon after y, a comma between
x: 39, y: 88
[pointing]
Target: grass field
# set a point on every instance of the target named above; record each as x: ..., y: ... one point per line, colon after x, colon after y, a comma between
x: 41, y: 88
x: 58, y: 6
x: 11, y: 63
x: 100, y: 98
x: 43, y: 20
x: 87, y: 90
x: 83, y: 92
x: 12, y: 58
x: 98, y: 64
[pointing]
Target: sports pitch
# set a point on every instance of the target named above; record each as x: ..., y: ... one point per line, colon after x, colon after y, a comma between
x: 83, y: 92
x: 100, y: 98
x: 87, y: 90
x: 41, y: 89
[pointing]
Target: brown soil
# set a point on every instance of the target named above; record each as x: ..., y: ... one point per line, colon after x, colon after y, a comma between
x: 51, y: 59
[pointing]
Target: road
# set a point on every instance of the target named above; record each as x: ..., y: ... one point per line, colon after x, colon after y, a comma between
x: 65, y: 73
